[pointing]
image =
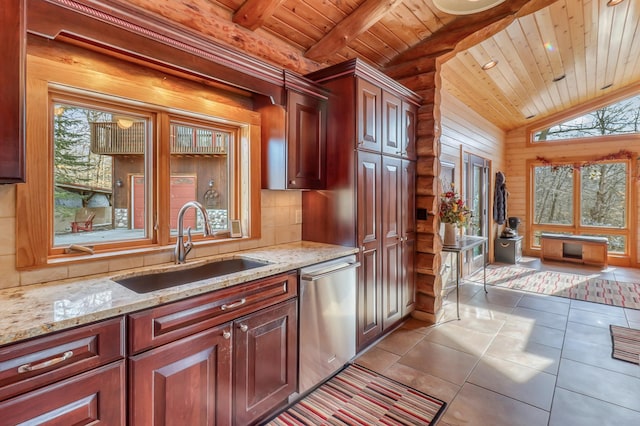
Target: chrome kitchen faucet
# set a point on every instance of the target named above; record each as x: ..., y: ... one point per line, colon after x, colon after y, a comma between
x: 182, y: 248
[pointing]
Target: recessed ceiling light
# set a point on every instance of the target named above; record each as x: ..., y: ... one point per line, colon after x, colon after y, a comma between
x: 465, y: 7
x: 606, y: 86
x: 560, y: 78
x: 614, y: 2
x: 492, y: 63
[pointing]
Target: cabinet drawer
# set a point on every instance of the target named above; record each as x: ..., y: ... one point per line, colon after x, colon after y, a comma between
x: 164, y: 324
x: 28, y: 365
x: 94, y: 397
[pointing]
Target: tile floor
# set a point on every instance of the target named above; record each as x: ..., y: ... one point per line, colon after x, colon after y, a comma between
x: 519, y: 358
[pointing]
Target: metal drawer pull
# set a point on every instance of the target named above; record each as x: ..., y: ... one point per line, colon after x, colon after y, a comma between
x: 226, y: 334
x: 505, y: 244
x: 234, y: 304
x: 28, y: 367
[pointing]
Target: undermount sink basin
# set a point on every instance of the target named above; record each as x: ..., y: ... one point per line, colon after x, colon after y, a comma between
x: 161, y: 280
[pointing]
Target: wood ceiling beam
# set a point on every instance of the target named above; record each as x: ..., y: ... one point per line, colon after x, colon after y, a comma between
x: 253, y: 13
x: 466, y: 31
x: 359, y: 21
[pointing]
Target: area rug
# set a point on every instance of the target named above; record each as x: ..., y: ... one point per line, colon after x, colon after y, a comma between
x: 358, y: 396
x: 626, y: 343
x: 572, y: 286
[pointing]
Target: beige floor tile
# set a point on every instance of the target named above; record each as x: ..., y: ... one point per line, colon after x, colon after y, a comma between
x: 460, y: 338
x: 634, y: 324
x: 597, y: 355
x: 529, y: 354
x: 400, y: 341
x: 546, y: 304
x: 497, y: 296
x: 377, y: 359
x: 599, y: 383
x: 632, y: 314
x: 475, y: 406
x: 424, y: 382
x: 597, y: 307
x: 596, y: 319
x: 417, y: 326
x: 529, y: 331
x: 571, y: 408
x: 515, y: 381
x: 440, y: 361
x: 545, y: 319
x: 481, y: 325
x: 587, y: 333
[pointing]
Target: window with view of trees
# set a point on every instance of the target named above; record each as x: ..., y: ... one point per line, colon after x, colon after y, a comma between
x: 583, y: 199
x: 620, y: 118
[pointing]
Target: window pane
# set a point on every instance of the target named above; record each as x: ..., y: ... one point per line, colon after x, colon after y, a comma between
x: 99, y: 190
x: 553, y: 195
x: 603, y: 195
x: 200, y: 172
x: 622, y: 117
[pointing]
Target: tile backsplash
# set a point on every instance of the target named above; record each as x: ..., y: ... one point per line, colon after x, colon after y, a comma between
x: 280, y: 211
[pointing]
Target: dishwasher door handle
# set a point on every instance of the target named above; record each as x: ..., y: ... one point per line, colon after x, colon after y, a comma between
x: 322, y: 274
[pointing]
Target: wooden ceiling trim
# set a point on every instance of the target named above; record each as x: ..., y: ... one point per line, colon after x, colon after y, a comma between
x: 349, y: 28
x: 253, y: 13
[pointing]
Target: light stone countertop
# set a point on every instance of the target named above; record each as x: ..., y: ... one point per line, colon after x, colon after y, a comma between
x: 38, y: 309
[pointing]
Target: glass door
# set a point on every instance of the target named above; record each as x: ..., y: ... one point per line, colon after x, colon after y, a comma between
x: 476, y: 193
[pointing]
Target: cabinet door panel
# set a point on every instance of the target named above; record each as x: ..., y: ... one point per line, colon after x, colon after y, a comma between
x: 408, y: 235
x: 369, y: 240
x: 392, y: 255
x: 392, y: 141
x: 409, y: 126
x: 368, y: 105
x: 184, y: 382
x: 265, y: 361
x: 306, y: 141
x: 95, y: 397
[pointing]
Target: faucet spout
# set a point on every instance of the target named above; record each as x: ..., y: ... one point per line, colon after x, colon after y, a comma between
x: 182, y: 248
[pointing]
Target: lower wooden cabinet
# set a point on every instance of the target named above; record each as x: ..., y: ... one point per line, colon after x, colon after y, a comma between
x: 265, y: 361
x: 185, y: 382
x: 94, y: 397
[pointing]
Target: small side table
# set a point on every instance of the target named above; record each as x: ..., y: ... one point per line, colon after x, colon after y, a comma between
x: 465, y: 243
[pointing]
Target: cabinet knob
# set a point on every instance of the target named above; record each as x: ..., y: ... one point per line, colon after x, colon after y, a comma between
x: 244, y: 328
x: 226, y: 334
x: 292, y: 182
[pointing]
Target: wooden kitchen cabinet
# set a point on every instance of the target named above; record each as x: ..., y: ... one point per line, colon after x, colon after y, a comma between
x: 70, y: 377
x: 265, y: 361
x: 12, y: 91
x: 294, y: 138
x: 227, y: 357
x: 184, y: 382
x: 370, y: 197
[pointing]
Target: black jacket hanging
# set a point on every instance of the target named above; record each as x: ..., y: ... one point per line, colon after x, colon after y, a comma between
x: 500, y: 201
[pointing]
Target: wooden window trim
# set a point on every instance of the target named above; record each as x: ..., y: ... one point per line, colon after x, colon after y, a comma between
x: 111, y: 78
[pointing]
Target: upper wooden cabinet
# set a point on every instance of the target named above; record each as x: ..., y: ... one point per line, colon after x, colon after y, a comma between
x: 12, y: 146
x: 294, y: 139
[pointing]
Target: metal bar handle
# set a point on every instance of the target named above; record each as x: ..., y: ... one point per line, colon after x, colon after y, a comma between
x: 309, y: 277
x: 28, y: 367
x: 234, y: 304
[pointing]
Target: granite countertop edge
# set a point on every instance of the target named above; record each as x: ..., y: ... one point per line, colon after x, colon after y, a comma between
x: 39, y: 309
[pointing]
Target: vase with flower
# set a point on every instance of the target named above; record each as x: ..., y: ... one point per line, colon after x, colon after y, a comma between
x: 453, y: 213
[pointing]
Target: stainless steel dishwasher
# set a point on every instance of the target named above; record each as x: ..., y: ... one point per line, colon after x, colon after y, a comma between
x: 327, y: 319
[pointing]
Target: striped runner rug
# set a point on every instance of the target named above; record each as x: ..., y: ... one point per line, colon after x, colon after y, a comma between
x: 358, y: 396
x: 589, y: 288
x: 626, y: 343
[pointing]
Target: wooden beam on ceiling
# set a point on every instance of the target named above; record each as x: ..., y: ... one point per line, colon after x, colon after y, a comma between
x: 466, y: 31
x: 359, y: 21
x: 253, y: 13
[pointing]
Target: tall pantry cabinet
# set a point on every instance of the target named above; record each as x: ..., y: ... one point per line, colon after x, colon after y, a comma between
x: 369, y: 201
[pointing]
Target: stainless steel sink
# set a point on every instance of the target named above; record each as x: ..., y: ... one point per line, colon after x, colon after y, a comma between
x: 161, y: 280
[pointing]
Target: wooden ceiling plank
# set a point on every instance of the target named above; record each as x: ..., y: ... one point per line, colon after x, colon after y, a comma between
x: 575, y: 15
x: 605, y: 27
x: 253, y: 13
x: 422, y: 12
x: 351, y: 27
x: 632, y: 68
x: 517, y: 53
x: 560, y: 21
x: 616, y: 36
x: 365, y: 48
x: 405, y: 26
x: 591, y: 43
x: 631, y: 23
x: 278, y: 27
